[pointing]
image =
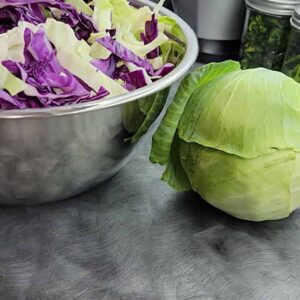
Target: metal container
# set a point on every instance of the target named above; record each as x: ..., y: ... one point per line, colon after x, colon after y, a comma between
x: 56, y: 153
x: 291, y: 63
x: 274, y: 7
x: 218, y: 25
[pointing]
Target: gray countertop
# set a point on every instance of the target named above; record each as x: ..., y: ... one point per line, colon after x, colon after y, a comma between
x: 134, y: 238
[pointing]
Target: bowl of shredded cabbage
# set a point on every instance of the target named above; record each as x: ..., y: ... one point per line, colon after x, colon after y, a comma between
x: 81, y: 82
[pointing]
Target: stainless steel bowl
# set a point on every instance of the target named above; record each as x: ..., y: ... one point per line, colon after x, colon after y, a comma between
x: 53, y: 154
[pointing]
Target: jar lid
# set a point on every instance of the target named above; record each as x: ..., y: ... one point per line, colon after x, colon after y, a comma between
x: 295, y: 20
x: 276, y: 7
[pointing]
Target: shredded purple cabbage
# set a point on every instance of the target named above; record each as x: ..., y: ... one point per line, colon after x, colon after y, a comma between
x: 165, y: 70
x: 12, y: 11
x: 151, y: 33
x: 11, y: 15
x: 107, y: 66
x: 54, y: 85
x: 49, y: 83
x: 125, y: 54
x: 135, y: 79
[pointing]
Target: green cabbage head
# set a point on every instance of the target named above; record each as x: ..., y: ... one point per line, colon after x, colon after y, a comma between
x: 233, y: 137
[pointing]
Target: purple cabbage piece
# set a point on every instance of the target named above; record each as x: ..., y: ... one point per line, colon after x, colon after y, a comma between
x: 23, y: 101
x: 125, y: 54
x: 164, y: 70
x: 134, y: 80
x: 61, y: 100
x: 151, y: 33
x: 107, y: 66
x: 42, y: 69
x: 10, y: 16
x: 54, y: 85
x: 5, y: 3
x: 20, y: 101
x: 14, y: 10
x: 81, y: 23
x: 128, y: 87
x: 9, y: 102
x: 121, y: 70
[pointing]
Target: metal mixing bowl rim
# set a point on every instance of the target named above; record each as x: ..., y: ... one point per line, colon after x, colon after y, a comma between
x: 187, y: 62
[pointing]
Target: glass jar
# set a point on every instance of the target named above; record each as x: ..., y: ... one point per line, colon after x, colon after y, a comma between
x: 291, y: 64
x: 266, y: 33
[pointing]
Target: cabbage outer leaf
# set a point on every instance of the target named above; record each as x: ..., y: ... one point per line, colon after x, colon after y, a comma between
x: 247, y: 113
x: 163, y: 138
x: 256, y: 189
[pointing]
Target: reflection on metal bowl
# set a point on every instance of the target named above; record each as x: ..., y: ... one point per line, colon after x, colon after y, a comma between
x: 56, y: 153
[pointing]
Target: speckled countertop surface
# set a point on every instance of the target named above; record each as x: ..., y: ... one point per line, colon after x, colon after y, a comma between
x: 134, y: 238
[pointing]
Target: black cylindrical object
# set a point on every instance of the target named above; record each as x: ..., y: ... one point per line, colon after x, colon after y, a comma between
x: 218, y: 24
